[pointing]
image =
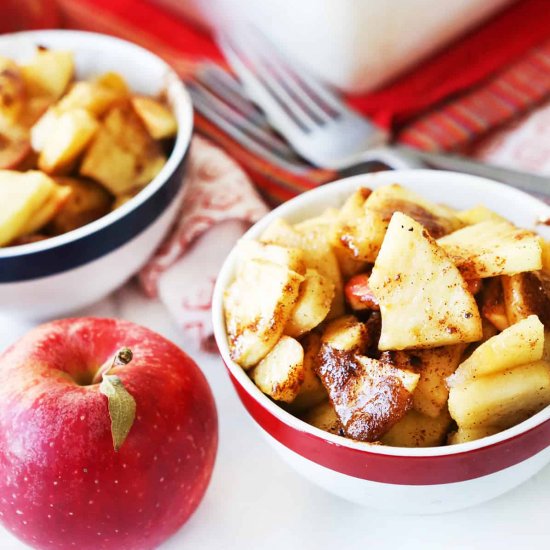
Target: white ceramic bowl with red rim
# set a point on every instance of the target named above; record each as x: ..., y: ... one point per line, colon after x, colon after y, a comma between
x: 426, y: 480
x: 58, y: 275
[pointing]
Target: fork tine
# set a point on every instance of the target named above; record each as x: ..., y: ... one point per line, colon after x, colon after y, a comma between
x: 229, y: 89
x: 241, y: 136
x: 322, y: 111
x: 236, y: 118
x: 316, y: 90
x: 255, y: 73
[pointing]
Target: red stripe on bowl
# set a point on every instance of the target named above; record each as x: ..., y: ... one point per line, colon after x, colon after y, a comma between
x: 398, y: 470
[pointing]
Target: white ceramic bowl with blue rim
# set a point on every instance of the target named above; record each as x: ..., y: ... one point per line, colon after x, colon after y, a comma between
x: 61, y: 274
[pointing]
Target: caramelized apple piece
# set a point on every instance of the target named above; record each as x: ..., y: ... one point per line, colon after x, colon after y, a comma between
x: 22, y: 195
x: 13, y: 152
x: 12, y: 92
x: 122, y: 156
x: 346, y: 333
x: 434, y: 366
x: 68, y: 136
x: 87, y: 202
x: 464, y: 435
x: 527, y: 294
x: 492, y: 304
x: 368, y: 396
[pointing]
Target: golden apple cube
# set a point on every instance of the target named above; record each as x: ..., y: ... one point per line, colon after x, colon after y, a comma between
x: 464, y: 435
x: 527, y: 294
x: 22, y: 194
x: 358, y: 233
x: 519, y: 344
x: 257, y: 306
x: 312, y: 306
x: 157, y: 117
x: 280, y: 373
x: 122, y: 156
x: 502, y: 399
x: 90, y: 96
x: 346, y: 333
x: 418, y: 430
x: 87, y: 202
x: 12, y: 92
x: 437, y: 219
x: 424, y: 301
x: 291, y: 257
x: 435, y: 365
x: 48, y: 73
x: 491, y: 248
x: 68, y: 136
x: 324, y: 417
x: 318, y: 255
x: 478, y: 214
x: 47, y: 212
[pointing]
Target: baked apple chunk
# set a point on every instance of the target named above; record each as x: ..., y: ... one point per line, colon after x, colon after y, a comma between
x: 491, y: 248
x: 424, y: 301
x: 257, y: 307
x: 369, y: 396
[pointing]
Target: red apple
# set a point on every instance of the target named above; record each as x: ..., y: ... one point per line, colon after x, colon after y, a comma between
x: 62, y: 484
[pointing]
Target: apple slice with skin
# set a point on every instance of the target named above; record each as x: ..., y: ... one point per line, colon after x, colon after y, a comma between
x: 359, y: 294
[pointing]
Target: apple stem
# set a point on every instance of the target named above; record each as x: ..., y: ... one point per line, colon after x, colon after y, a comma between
x: 122, y: 357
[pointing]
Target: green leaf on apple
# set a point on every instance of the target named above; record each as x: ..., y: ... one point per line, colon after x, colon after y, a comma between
x: 122, y: 408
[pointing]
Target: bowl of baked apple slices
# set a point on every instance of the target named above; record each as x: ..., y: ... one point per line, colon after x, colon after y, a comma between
x: 94, y: 133
x: 390, y: 335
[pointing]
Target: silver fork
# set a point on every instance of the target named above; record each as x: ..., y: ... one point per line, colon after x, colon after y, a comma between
x: 314, y: 120
x: 220, y: 98
x: 323, y: 130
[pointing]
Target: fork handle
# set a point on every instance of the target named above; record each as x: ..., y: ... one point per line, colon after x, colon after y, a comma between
x: 400, y: 157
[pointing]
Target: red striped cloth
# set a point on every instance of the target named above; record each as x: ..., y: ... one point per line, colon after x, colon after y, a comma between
x: 447, y: 103
x: 516, y: 90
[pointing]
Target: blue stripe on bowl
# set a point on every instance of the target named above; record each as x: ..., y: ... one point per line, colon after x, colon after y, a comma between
x: 90, y: 247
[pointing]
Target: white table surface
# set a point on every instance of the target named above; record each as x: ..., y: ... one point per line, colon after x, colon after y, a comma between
x: 255, y: 501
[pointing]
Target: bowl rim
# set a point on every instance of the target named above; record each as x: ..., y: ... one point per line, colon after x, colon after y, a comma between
x: 347, y: 185
x: 182, y: 108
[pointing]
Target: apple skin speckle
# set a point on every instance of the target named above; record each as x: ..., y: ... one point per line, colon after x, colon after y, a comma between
x: 68, y: 486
